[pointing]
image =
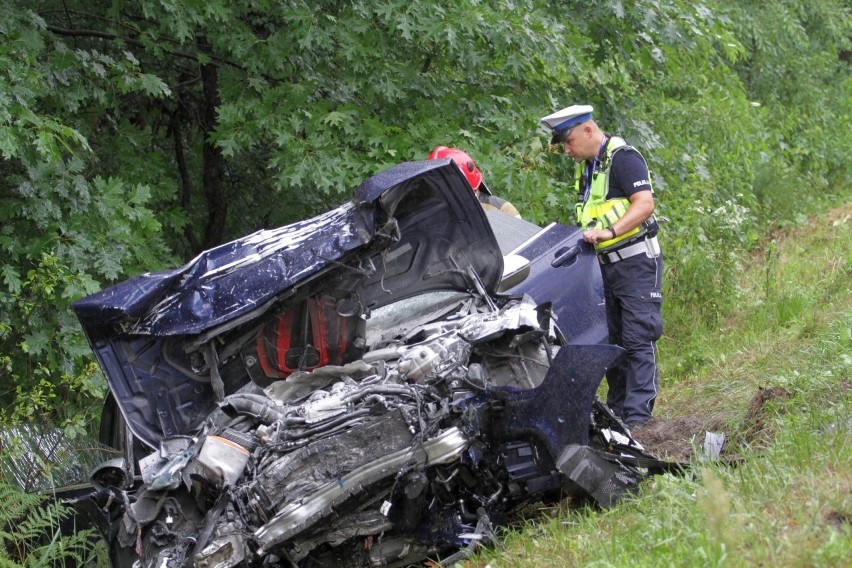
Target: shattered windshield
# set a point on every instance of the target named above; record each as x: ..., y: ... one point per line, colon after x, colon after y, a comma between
x: 400, y: 318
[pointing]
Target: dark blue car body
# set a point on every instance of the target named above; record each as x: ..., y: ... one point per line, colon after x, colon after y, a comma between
x: 404, y: 368
x: 411, y: 229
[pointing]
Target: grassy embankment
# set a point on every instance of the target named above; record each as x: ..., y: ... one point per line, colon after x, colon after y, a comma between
x: 787, y: 499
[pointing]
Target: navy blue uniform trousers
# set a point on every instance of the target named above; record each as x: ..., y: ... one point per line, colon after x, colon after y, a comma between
x: 633, y: 294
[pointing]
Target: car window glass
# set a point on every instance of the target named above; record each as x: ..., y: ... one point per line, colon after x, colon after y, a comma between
x: 400, y: 317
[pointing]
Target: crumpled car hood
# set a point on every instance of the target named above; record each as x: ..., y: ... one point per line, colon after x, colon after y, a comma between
x: 440, y: 223
x: 413, y: 228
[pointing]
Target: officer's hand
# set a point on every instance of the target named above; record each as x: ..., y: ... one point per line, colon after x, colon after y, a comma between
x: 594, y: 237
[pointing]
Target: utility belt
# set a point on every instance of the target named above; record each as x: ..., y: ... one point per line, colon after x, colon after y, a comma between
x: 650, y: 246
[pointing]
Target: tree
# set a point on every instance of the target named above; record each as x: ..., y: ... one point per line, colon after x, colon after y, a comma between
x: 64, y: 229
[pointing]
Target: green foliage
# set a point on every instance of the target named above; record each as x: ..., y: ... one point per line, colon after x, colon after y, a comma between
x: 47, y: 372
x: 754, y: 144
x: 31, y: 536
x: 64, y: 231
x: 796, y: 69
x: 355, y: 87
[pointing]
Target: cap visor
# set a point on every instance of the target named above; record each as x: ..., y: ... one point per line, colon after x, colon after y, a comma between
x: 558, y: 137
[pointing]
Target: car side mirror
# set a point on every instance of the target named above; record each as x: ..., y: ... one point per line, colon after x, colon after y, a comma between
x: 113, y: 473
x: 516, y: 268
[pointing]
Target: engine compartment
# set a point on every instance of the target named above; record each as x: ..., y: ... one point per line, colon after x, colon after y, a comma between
x: 407, y: 452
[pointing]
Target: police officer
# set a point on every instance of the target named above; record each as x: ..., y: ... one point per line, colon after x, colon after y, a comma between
x: 474, y: 177
x: 615, y: 206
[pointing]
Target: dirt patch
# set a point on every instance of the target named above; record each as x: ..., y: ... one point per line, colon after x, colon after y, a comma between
x: 841, y: 214
x: 755, y: 419
x: 676, y: 439
x: 679, y: 439
x: 837, y: 520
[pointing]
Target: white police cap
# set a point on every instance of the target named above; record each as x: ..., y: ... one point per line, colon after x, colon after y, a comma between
x: 562, y: 121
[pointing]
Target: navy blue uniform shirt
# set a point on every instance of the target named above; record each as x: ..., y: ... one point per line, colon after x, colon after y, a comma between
x: 628, y: 175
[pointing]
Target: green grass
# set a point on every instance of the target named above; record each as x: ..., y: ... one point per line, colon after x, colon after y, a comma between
x: 788, y: 501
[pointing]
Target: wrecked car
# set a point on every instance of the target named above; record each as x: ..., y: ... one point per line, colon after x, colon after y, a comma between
x: 380, y: 385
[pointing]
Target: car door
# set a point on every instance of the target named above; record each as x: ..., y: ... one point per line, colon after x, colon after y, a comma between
x: 563, y: 270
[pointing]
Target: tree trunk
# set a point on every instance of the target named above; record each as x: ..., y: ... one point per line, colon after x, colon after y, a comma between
x: 213, y: 162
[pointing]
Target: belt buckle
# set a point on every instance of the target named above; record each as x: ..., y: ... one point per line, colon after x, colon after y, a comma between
x: 605, y: 259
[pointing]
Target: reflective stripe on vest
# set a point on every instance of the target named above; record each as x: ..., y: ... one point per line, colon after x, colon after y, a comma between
x: 600, y: 213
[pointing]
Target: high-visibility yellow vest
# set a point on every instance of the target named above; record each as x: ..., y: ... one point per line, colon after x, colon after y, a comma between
x: 594, y: 211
